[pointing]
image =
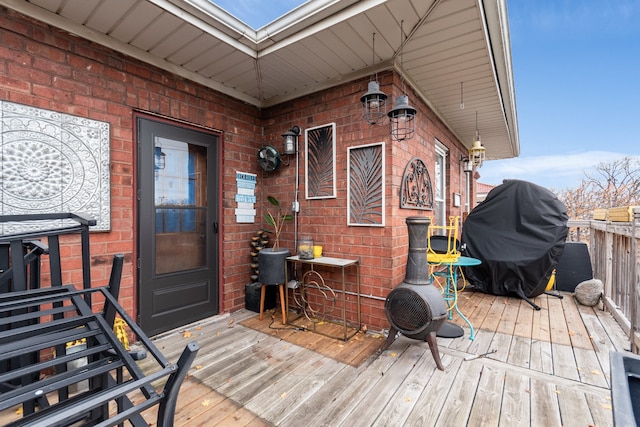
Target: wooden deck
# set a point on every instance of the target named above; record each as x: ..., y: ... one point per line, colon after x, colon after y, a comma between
x: 550, y: 368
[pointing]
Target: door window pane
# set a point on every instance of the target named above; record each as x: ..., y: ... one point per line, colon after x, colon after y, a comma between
x: 180, y: 205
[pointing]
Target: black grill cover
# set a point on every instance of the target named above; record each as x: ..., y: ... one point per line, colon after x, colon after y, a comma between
x: 518, y: 233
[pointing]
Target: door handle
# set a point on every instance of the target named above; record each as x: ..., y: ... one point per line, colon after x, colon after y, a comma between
x: 215, y: 227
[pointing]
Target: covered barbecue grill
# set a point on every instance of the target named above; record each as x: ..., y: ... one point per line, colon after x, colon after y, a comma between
x: 518, y: 233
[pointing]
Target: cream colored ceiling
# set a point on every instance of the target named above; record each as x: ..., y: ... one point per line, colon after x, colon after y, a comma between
x: 318, y: 45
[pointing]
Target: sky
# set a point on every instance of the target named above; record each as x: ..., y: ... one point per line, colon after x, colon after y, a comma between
x: 576, y: 66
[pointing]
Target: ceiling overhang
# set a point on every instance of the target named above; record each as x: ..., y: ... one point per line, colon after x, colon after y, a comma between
x: 453, y: 52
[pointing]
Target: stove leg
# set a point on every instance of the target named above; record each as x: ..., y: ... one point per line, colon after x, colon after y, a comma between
x: 433, y: 345
x: 390, y: 339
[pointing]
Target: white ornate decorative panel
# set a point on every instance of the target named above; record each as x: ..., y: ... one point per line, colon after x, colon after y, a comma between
x: 52, y: 162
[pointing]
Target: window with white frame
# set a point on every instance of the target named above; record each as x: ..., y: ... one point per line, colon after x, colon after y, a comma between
x: 440, y: 190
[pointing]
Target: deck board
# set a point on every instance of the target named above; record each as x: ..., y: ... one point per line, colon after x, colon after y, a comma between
x: 435, y: 394
x: 460, y: 398
x: 541, y: 356
x: 382, y: 393
x: 492, y: 319
x: 524, y: 321
x: 309, y: 409
x: 406, y: 396
x: 516, y: 400
x: 507, y: 322
x: 520, y: 352
x: 574, y: 407
x: 575, y: 325
x: 299, y: 392
x: 488, y: 399
x: 557, y: 323
x: 564, y: 363
x: 551, y: 368
x: 540, y: 329
x: 545, y: 409
x: 346, y: 399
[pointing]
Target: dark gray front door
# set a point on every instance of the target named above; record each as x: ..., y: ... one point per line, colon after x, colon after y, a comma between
x: 177, y: 225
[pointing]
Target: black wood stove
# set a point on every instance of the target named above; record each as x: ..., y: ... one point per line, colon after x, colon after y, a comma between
x: 416, y: 308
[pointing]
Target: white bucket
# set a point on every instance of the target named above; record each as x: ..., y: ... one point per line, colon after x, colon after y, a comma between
x: 75, y: 364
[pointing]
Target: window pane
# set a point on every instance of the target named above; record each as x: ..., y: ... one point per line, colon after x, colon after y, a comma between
x: 180, y: 200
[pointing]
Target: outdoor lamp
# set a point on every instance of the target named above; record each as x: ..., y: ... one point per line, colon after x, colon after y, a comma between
x: 374, y: 104
x: 402, y: 118
x: 477, y: 152
x: 291, y: 140
x: 160, y: 158
x: 467, y: 165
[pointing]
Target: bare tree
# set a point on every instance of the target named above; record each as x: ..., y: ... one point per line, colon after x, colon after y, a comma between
x: 614, y: 184
x: 579, y: 202
x: 609, y: 185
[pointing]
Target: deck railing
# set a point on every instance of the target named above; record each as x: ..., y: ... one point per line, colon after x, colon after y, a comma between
x: 613, y: 248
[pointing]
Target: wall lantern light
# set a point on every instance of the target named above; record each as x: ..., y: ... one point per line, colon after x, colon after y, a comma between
x: 290, y: 139
x: 374, y: 102
x: 160, y: 158
x: 467, y: 164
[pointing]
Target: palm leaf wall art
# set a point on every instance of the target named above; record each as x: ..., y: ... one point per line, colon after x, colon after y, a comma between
x: 365, y: 188
x: 321, y: 162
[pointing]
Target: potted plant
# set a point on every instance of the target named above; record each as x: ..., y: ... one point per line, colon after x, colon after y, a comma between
x: 271, y: 261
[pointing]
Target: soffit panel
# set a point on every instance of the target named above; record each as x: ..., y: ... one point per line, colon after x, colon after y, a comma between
x: 53, y: 5
x: 312, y: 49
x: 320, y: 50
x: 280, y: 71
x: 158, y: 31
x: 79, y: 11
x: 226, y: 70
x: 196, y: 53
x: 183, y: 39
x: 107, y: 15
x: 137, y: 19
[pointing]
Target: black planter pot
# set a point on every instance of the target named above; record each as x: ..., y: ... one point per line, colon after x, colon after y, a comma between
x: 272, y: 266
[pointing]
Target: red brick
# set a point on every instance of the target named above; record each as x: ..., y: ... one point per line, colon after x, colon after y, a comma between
x: 92, y: 81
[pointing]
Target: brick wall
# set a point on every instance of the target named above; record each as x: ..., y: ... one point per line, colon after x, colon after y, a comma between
x: 382, y: 250
x: 47, y: 68
x: 51, y: 69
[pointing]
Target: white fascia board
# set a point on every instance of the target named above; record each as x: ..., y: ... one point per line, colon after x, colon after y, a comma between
x: 496, y: 34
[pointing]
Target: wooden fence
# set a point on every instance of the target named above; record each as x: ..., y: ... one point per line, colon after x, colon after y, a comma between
x: 613, y: 247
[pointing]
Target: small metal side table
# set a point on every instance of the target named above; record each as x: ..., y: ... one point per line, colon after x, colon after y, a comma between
x: 450, y: 293
x: 312, y: 280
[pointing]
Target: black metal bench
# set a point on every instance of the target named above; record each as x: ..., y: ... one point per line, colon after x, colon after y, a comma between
x: 97, y: 381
